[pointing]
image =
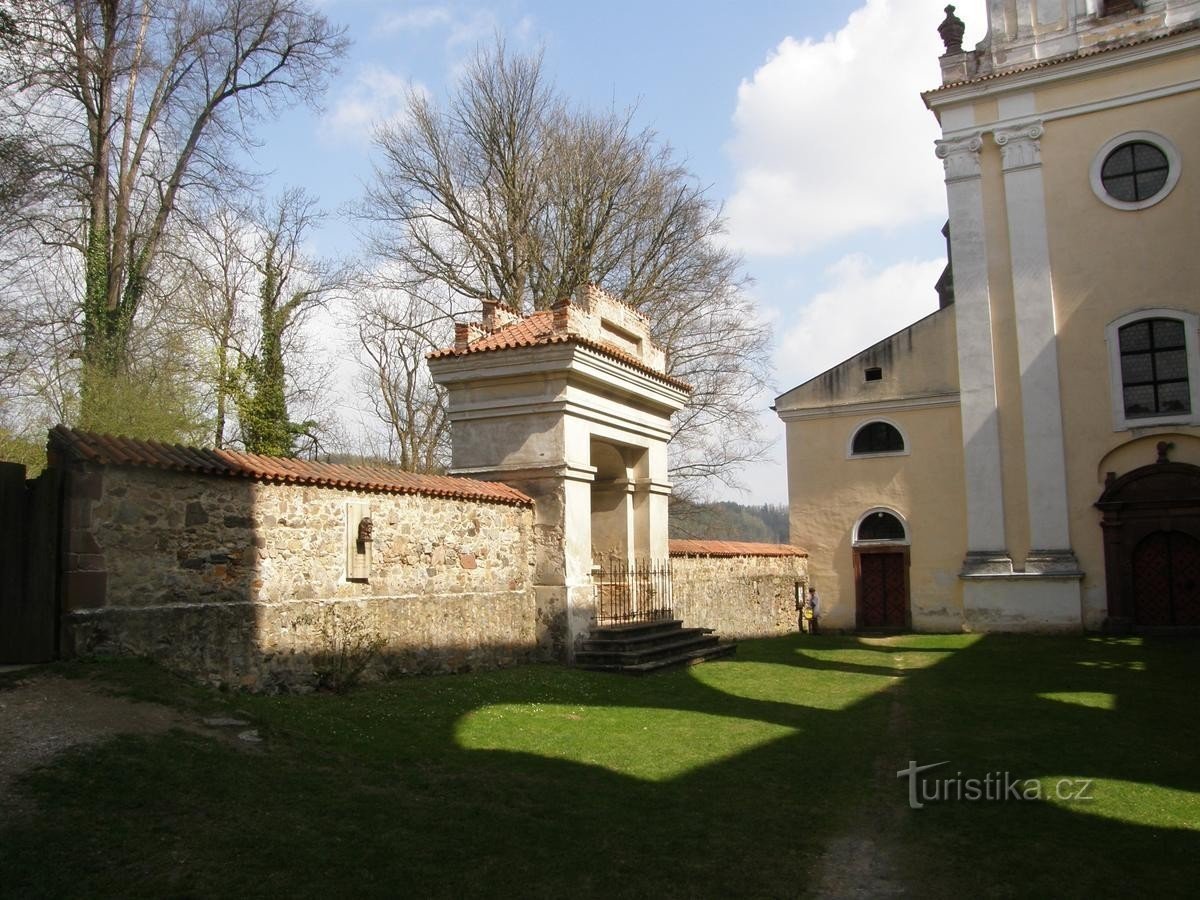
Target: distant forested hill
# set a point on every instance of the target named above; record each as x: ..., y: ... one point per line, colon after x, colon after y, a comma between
x: 729, y: 521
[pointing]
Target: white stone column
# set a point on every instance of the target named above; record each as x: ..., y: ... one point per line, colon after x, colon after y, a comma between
x: 658, y: 495
x: 1037, y: 350
x: 976, y: 365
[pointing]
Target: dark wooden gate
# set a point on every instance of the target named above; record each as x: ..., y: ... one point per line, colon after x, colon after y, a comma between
x: 882, y: 589
x: 30, y: 514
x: 1166, y: 580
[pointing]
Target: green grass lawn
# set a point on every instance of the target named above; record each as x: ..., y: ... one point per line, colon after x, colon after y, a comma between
x: 769, y: 775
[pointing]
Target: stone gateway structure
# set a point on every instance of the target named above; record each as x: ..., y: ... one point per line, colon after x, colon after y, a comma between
x: 571, y: 405
x: 268, y: 573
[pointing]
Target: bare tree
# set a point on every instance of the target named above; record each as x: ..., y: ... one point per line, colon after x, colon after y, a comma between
x: 140, y: 100
x: 215, y: 252
x: 505, y: 192
x: 395, y: 333
x: 291, y: 286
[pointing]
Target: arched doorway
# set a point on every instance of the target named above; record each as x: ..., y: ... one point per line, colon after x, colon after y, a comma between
x: 881, y: 571
x: 1152, y: 547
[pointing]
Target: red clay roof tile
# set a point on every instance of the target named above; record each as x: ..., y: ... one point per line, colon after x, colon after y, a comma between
x: 732, y: 548
x: 104, y: 449
x: 537, y: 329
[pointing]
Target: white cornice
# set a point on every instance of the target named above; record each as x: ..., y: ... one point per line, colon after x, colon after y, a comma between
x: 517, y: 472
x: 1072, y: 111
x: 1038, y: 75
x: 493, y: 408
x: 928, y: 401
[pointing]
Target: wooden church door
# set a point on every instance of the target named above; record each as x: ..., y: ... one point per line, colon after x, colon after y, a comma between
x: 882, y: 589
x: 1166, y: 580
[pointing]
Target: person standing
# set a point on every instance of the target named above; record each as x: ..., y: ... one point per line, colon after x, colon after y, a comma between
x: 812, y: 612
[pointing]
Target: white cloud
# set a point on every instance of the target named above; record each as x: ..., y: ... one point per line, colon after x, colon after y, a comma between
x: 461, y: 26
x: 418, y: 18
x: 376, y: 95
x: 861, y: 305
x: 831, y: 137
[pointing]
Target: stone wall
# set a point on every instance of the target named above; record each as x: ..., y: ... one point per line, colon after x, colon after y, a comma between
x: 244, y: 582
x: 739, y: 596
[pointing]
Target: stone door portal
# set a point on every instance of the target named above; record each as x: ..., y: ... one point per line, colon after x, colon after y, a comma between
x: 1152, y: 546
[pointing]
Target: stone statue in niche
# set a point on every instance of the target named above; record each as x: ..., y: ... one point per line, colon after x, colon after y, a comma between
x: 366, y: 530
x: 360, y: 534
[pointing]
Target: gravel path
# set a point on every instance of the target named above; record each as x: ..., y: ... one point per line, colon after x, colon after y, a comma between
x: 43, y: 715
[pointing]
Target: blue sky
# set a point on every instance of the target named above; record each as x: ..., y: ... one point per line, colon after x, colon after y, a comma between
x: 804, y: 117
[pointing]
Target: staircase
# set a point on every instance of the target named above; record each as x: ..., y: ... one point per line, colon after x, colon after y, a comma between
x: 639, y: 648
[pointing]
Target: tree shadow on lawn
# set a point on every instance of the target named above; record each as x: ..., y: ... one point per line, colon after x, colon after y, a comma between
x: 735, y: 778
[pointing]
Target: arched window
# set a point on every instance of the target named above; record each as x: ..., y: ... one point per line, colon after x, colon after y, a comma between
x: 880, y: 525
x: 877, y: 437
x: 1154, y: 368
x: 1153, y: 360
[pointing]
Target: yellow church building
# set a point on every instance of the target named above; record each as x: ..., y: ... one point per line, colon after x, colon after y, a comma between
x: 1027, y: 457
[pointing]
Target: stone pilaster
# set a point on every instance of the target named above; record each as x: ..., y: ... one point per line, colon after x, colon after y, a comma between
x: 1037, y: 350
x: 976, y: 365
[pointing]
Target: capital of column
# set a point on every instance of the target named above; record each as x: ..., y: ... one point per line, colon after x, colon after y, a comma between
x: 960, y: 156
x: 1020, y: 148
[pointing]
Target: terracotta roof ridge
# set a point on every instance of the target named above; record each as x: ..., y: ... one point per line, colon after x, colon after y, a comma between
x: 559, y: 338
x: 116, y: 450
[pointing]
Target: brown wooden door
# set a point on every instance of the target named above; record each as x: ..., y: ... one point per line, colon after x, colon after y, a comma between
x: 1166, y: 580
x: 883, y: 590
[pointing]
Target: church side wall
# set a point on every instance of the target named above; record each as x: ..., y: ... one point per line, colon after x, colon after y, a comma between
x: 245, y: 583
x: 830, y: 492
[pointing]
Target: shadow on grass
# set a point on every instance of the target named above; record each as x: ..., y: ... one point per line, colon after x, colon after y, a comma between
x: 740, y: 778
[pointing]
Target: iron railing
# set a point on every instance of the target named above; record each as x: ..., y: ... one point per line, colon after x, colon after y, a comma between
x: 630, y: 591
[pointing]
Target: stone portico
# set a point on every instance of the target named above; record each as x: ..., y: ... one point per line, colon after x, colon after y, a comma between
x: 572, y: 406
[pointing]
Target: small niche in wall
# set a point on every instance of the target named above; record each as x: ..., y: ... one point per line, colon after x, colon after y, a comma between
x: 360, y: 535
x: 875, y: 373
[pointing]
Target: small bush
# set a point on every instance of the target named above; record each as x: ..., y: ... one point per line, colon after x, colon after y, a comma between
x: 346, y: 647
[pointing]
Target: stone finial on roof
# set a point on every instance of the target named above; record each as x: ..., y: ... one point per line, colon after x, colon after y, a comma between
x: 952, y: 30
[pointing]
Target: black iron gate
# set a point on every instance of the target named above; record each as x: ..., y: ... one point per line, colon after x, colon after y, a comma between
x: 629, y: 591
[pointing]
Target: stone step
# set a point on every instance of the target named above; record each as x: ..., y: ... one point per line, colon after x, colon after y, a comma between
x: 614, y: 643
x: 644, y: 653
x: 634, y: 629
x: 686, y: 658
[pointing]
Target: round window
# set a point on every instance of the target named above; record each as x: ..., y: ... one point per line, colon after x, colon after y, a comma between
x: 1134, y: 172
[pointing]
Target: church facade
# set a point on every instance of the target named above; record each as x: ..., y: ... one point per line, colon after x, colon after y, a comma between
x: 1027, y: 457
